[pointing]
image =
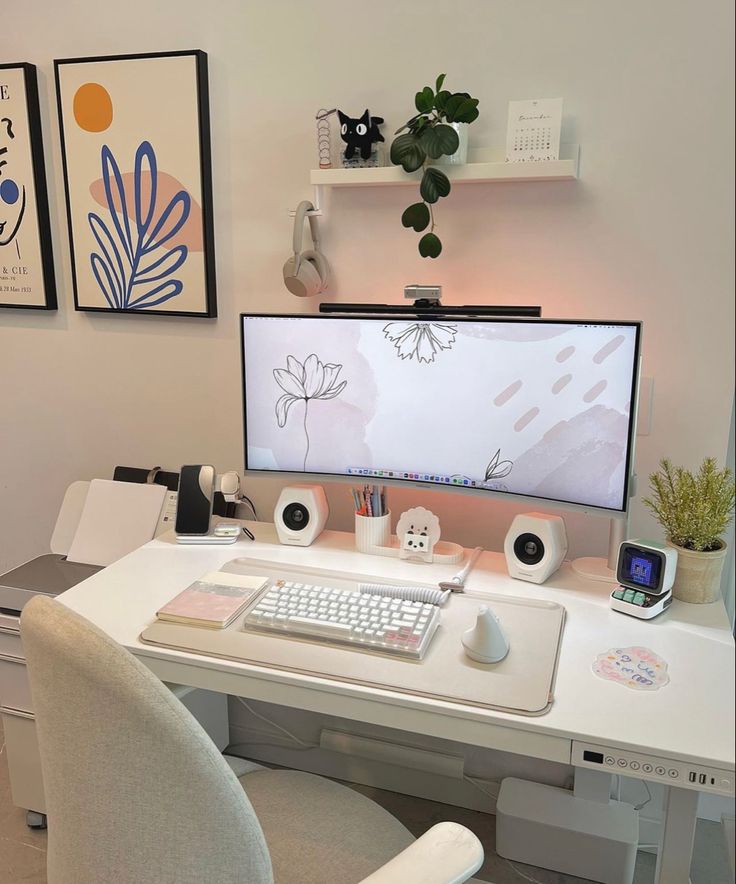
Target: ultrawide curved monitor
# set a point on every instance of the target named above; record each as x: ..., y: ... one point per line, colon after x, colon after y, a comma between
x: 537, y: 409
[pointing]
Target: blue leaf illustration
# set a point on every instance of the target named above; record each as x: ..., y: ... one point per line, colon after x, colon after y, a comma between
x: 145, y: 152
x: 183, y: 200
x: 109, y: 250
x: 145, y: 300
x: 165, y: 265
x: 104, y: 280
x: 129, y: 256
x: 110, y: 166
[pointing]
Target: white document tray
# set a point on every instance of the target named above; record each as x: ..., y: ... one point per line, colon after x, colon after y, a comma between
x: 522, y: 683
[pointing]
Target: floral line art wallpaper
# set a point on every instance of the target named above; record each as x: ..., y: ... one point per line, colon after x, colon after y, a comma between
x: 311, y: 380
x: 136, y: 153
x: 510, y: 427
x: 497, y: 468
x: 421, y: 340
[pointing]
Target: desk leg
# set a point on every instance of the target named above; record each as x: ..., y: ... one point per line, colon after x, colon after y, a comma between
x: 678, y: 833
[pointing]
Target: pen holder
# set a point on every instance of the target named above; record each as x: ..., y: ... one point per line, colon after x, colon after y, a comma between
x: 372, y: 532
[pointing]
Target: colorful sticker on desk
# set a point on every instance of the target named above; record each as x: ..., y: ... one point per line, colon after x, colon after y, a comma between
x: 636, y: 668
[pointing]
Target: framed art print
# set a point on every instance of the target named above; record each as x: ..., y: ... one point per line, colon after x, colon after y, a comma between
x: 26, y: 256
x: 136, y: 152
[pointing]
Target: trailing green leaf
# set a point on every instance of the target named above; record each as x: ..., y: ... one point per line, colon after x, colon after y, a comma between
x: 439, y: 140
x: 424, y: 100
x: 416, y: 216
x: 425, y: 136
x: 435, y: 184
x: 468, y: 111
x: 440, y: 99
x: 407, y: 152
x: 430, y: 246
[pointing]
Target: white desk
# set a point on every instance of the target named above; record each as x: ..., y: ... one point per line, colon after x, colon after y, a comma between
x: 690, y: 722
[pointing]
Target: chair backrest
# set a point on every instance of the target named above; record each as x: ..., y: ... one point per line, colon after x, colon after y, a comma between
x: 136, y: 793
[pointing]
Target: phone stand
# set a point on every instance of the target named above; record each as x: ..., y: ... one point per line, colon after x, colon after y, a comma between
x: 209, y: 539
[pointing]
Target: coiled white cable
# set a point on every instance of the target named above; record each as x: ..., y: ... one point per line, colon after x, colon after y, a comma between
x: 411, y: 593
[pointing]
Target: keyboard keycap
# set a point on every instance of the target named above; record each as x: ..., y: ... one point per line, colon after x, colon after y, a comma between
x: 371, y: 622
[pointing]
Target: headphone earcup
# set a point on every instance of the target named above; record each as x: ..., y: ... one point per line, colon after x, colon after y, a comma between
x: 304, y: 282
x: 322, y: 265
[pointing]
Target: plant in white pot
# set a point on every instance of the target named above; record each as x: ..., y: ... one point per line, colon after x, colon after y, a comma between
x: 694, y: 509
x: 430, y: 135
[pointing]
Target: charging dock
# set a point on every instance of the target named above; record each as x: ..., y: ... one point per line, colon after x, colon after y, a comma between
x: 552, y: 828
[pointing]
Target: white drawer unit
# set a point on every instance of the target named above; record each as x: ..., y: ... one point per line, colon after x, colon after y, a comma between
x: 15, y: 691
x: 653, y: 768
x: 10, y: 645
x: 24, y: 761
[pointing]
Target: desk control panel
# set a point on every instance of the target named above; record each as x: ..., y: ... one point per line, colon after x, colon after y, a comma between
x: 653, y: 768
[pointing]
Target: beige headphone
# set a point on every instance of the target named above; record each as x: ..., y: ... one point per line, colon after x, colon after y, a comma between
x: 306, y: 273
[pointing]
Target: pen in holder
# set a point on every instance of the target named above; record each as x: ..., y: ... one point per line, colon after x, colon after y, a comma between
x: 372, y: 532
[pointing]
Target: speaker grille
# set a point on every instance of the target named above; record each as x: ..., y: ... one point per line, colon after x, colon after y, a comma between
x: 529, y: 549
x: 295, y: 516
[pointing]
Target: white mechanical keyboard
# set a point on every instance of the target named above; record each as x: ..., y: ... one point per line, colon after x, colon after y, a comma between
x: 368, y: 622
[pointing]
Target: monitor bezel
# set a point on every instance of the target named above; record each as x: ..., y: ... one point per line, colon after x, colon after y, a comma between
x: 486, y: 493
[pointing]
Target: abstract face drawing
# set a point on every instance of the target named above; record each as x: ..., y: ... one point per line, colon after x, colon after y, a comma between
x: 12, y: 191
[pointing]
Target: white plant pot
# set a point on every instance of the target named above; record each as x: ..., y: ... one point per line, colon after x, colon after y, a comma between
x: 698, y: 575
x: 461, y: 154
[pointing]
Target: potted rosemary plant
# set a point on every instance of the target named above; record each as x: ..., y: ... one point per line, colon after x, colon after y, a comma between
x: 694, y: 510
x: 430, y: 134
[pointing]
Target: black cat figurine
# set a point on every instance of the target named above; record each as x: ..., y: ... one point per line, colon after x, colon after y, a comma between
x: 359, y: 134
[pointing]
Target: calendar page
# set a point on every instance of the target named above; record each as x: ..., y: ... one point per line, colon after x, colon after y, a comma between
x: 534, y: 130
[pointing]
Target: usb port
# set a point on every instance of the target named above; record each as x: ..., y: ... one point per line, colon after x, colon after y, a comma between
x: 692, y: 776
x: 702, y: 778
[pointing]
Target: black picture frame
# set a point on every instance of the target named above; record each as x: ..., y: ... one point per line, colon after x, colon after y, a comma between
x: 201, y: 136
x: 39, y: 271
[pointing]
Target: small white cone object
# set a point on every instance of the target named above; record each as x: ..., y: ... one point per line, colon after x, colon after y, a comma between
x: 486, y: 642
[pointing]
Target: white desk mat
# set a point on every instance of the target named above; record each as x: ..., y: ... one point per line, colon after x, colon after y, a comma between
x: 523, y: 682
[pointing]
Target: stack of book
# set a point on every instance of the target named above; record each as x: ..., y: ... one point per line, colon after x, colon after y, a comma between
x: 213, y: 601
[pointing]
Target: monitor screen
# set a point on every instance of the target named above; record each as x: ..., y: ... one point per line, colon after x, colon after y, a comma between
x: 536, y: 408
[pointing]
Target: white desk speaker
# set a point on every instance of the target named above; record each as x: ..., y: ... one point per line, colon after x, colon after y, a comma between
x: 535, y: 546
x: 301, y: 514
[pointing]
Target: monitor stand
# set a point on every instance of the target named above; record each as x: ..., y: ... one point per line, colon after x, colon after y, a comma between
x: 598, y: 568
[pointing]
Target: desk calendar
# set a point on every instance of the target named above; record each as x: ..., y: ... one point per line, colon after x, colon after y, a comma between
x: 533, y: 132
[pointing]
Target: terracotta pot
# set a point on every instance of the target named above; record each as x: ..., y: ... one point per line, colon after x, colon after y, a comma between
x: 698, y: 575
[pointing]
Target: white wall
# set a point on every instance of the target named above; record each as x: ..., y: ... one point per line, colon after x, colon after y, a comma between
x: 646, y: 232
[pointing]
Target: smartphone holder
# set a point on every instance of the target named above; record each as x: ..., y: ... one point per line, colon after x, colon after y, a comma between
x: 210, y: 539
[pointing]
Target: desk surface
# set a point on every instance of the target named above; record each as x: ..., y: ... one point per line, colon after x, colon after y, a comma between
x: 690, y: 719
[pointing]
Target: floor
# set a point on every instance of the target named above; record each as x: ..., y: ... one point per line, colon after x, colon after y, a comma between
x: 23, y: 850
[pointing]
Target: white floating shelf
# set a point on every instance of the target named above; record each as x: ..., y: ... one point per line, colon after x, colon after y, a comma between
x: 483, y: 165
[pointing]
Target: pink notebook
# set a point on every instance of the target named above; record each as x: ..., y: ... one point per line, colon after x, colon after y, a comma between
x: 213, y: 601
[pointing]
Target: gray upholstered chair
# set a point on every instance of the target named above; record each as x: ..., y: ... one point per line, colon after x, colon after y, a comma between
x: 136, y: 792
